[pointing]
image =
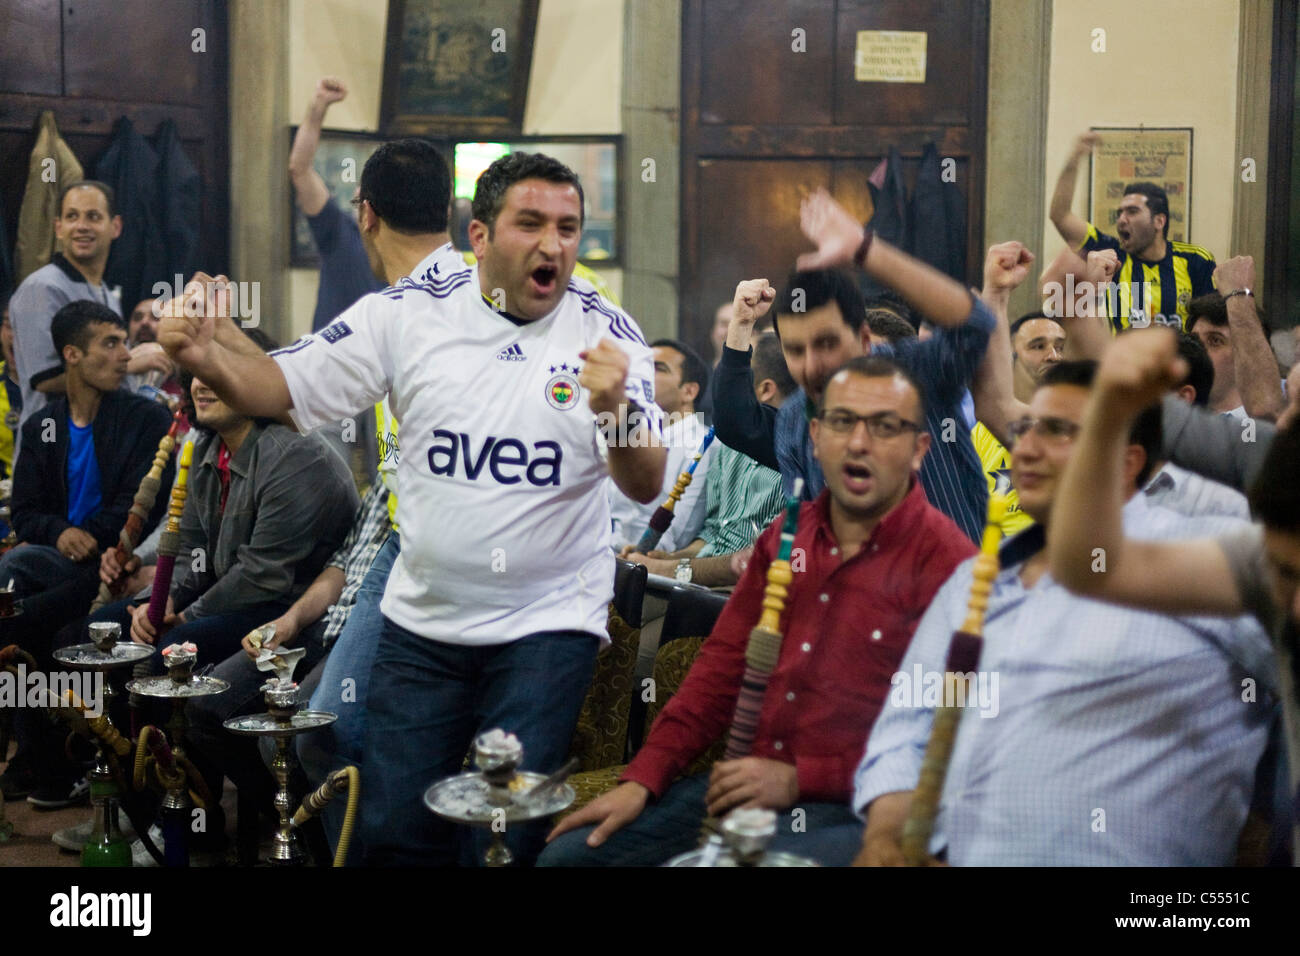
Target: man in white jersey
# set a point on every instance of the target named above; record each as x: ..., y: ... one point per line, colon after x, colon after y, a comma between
x: 496, y: 604
x: 402, y: 208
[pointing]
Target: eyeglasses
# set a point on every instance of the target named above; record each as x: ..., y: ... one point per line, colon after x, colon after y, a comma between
x: 357, y: 201
x: 879, y: 425
x: 1056, y: 431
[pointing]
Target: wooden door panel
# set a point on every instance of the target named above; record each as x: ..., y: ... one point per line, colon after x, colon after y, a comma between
x: 749, y: 217
x: 30, y: 47
x: 761, y: 127
x: 749, y: 72
x: 150, y: 58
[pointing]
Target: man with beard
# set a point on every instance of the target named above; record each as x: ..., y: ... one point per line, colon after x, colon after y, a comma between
x: 821, y: 322
x: 150, y: 370
x: 1157, y: 276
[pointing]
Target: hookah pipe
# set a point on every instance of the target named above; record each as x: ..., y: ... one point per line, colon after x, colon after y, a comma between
x: 145, y: 497
x: 171, y: 769
x: 169, y: 542
x: 663, y: 515
x: 7, y: 655
x: 168, y: 545
x: 761, y: 656
x: 13, y: 652
x: 73, y: 710
x: 345, y: 778
x: 963, y: 659
x: 764, y: 647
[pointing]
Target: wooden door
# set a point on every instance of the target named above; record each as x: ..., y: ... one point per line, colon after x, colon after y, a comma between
x: 92, y: 62
x: 771, y: 109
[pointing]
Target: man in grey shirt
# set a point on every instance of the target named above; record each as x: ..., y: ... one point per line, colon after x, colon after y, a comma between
x: 1256, y: 569
x: 86, y: 227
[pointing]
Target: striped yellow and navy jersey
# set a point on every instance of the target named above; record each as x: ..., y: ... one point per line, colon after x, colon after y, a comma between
x: 1156, y: 290
x: 997, y: 468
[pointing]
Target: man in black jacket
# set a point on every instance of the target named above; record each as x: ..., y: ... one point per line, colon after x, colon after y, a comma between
x: 81, y: 462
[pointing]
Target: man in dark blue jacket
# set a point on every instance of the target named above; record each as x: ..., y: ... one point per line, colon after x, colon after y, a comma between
x: 80, y: 465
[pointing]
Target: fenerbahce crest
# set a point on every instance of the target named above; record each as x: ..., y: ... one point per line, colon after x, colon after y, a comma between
x: 562, y: 389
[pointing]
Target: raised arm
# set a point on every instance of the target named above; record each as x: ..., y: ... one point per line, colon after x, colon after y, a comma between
x: 841, y: 241
x: 1252, y: 356
x: 311, y: 193
x: 250, y: 383
x: 1005, y: 266
x: 1072, y: 228
x: 1087, y: 548
x: 1087, y: 328
x: 741, y: 421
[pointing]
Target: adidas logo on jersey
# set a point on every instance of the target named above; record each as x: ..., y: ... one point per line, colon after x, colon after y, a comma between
x: 512, y: 353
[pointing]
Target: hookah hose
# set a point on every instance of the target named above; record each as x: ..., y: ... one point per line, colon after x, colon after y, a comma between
x: 13, y: 652
x: 169, y: 541
x: 143, y: 503
x: 761, y: 655
x: 170, y: 768
x: 115, y: 746
x: 100, y: 726
x: 72, y: 711
x: 8, y: 655
x: 764, y: 647
x: 663, y: 516
x: 168, y: 545
x: 963, y: 659
x: 348, y: 778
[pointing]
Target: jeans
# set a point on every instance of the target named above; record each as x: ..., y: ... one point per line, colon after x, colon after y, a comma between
x: 829, y: 833
x: 343, y: 688
x: 54, y: 590
x: 429, y: 700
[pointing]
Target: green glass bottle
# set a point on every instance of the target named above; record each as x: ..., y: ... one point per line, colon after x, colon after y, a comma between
x: 106, y: 846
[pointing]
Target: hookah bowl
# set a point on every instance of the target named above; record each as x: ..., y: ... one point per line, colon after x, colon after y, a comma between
x: 282, y: 721
x: 746, y: 834
x: 105, y: 652
x: 499, y: 794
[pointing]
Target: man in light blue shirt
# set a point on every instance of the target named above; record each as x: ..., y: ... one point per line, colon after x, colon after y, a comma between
x: 1102, y: 736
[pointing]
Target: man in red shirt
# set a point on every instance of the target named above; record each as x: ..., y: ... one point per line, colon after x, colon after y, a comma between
x: 869, y: 554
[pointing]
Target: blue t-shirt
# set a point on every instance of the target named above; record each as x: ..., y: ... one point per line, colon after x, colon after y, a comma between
x: 84, y: 495
x: 345, y: 273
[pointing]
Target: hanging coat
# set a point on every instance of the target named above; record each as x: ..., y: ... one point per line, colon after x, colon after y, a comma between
x: 937, y: 218
x: 176, y: 203
x: 137, y: 258
x: 889, y: 199
x: 40, y: 206
x: 889, y: 212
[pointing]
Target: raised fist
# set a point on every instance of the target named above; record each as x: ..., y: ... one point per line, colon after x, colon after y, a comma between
x: 330, y: 90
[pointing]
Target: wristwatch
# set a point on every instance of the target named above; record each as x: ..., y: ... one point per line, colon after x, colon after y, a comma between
x: 683, y: 572
x: 1241, y: 291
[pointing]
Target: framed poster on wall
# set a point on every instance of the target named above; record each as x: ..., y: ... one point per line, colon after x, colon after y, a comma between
x: 456, y: 67
x: 1129, y: 155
